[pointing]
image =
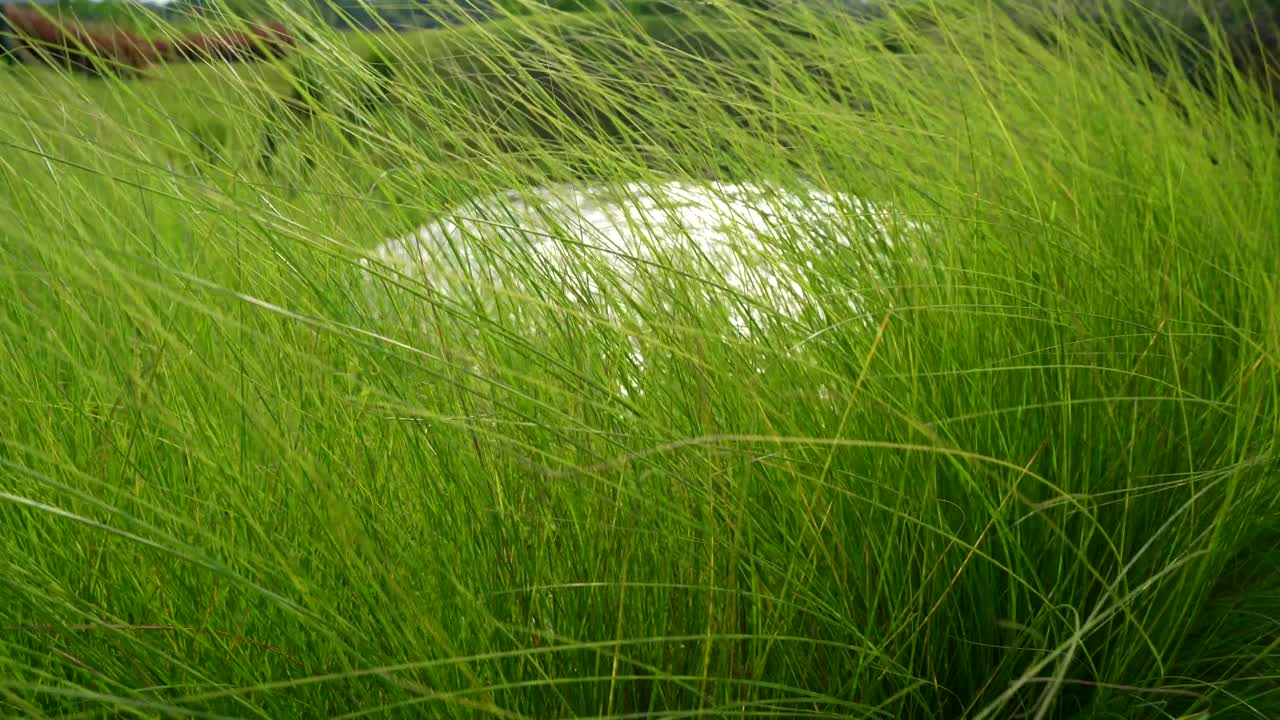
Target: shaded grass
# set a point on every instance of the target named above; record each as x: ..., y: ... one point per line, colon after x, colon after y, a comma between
x: 1043, y: 482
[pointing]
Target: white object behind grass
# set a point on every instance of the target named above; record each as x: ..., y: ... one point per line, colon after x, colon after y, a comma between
x: 748, y: 248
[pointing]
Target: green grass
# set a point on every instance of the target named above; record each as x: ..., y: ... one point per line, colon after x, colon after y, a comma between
x: 1043, y: 484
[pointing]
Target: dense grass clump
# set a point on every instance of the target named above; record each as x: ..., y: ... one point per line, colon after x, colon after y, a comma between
x: 248, y: 469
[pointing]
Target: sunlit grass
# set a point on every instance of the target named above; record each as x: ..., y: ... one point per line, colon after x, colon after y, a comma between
x: 247, y: 469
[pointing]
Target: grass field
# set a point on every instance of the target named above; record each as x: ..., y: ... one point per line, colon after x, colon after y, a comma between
x: 244, y: 474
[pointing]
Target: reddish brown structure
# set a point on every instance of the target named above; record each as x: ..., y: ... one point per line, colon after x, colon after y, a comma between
x: 31, y: 35
x: 121, y: 45
x: 271, y: 40
x: 28, y: 34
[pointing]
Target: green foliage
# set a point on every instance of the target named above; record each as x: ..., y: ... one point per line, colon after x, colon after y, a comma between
x: 118, y: 13
x: 245, y: 474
